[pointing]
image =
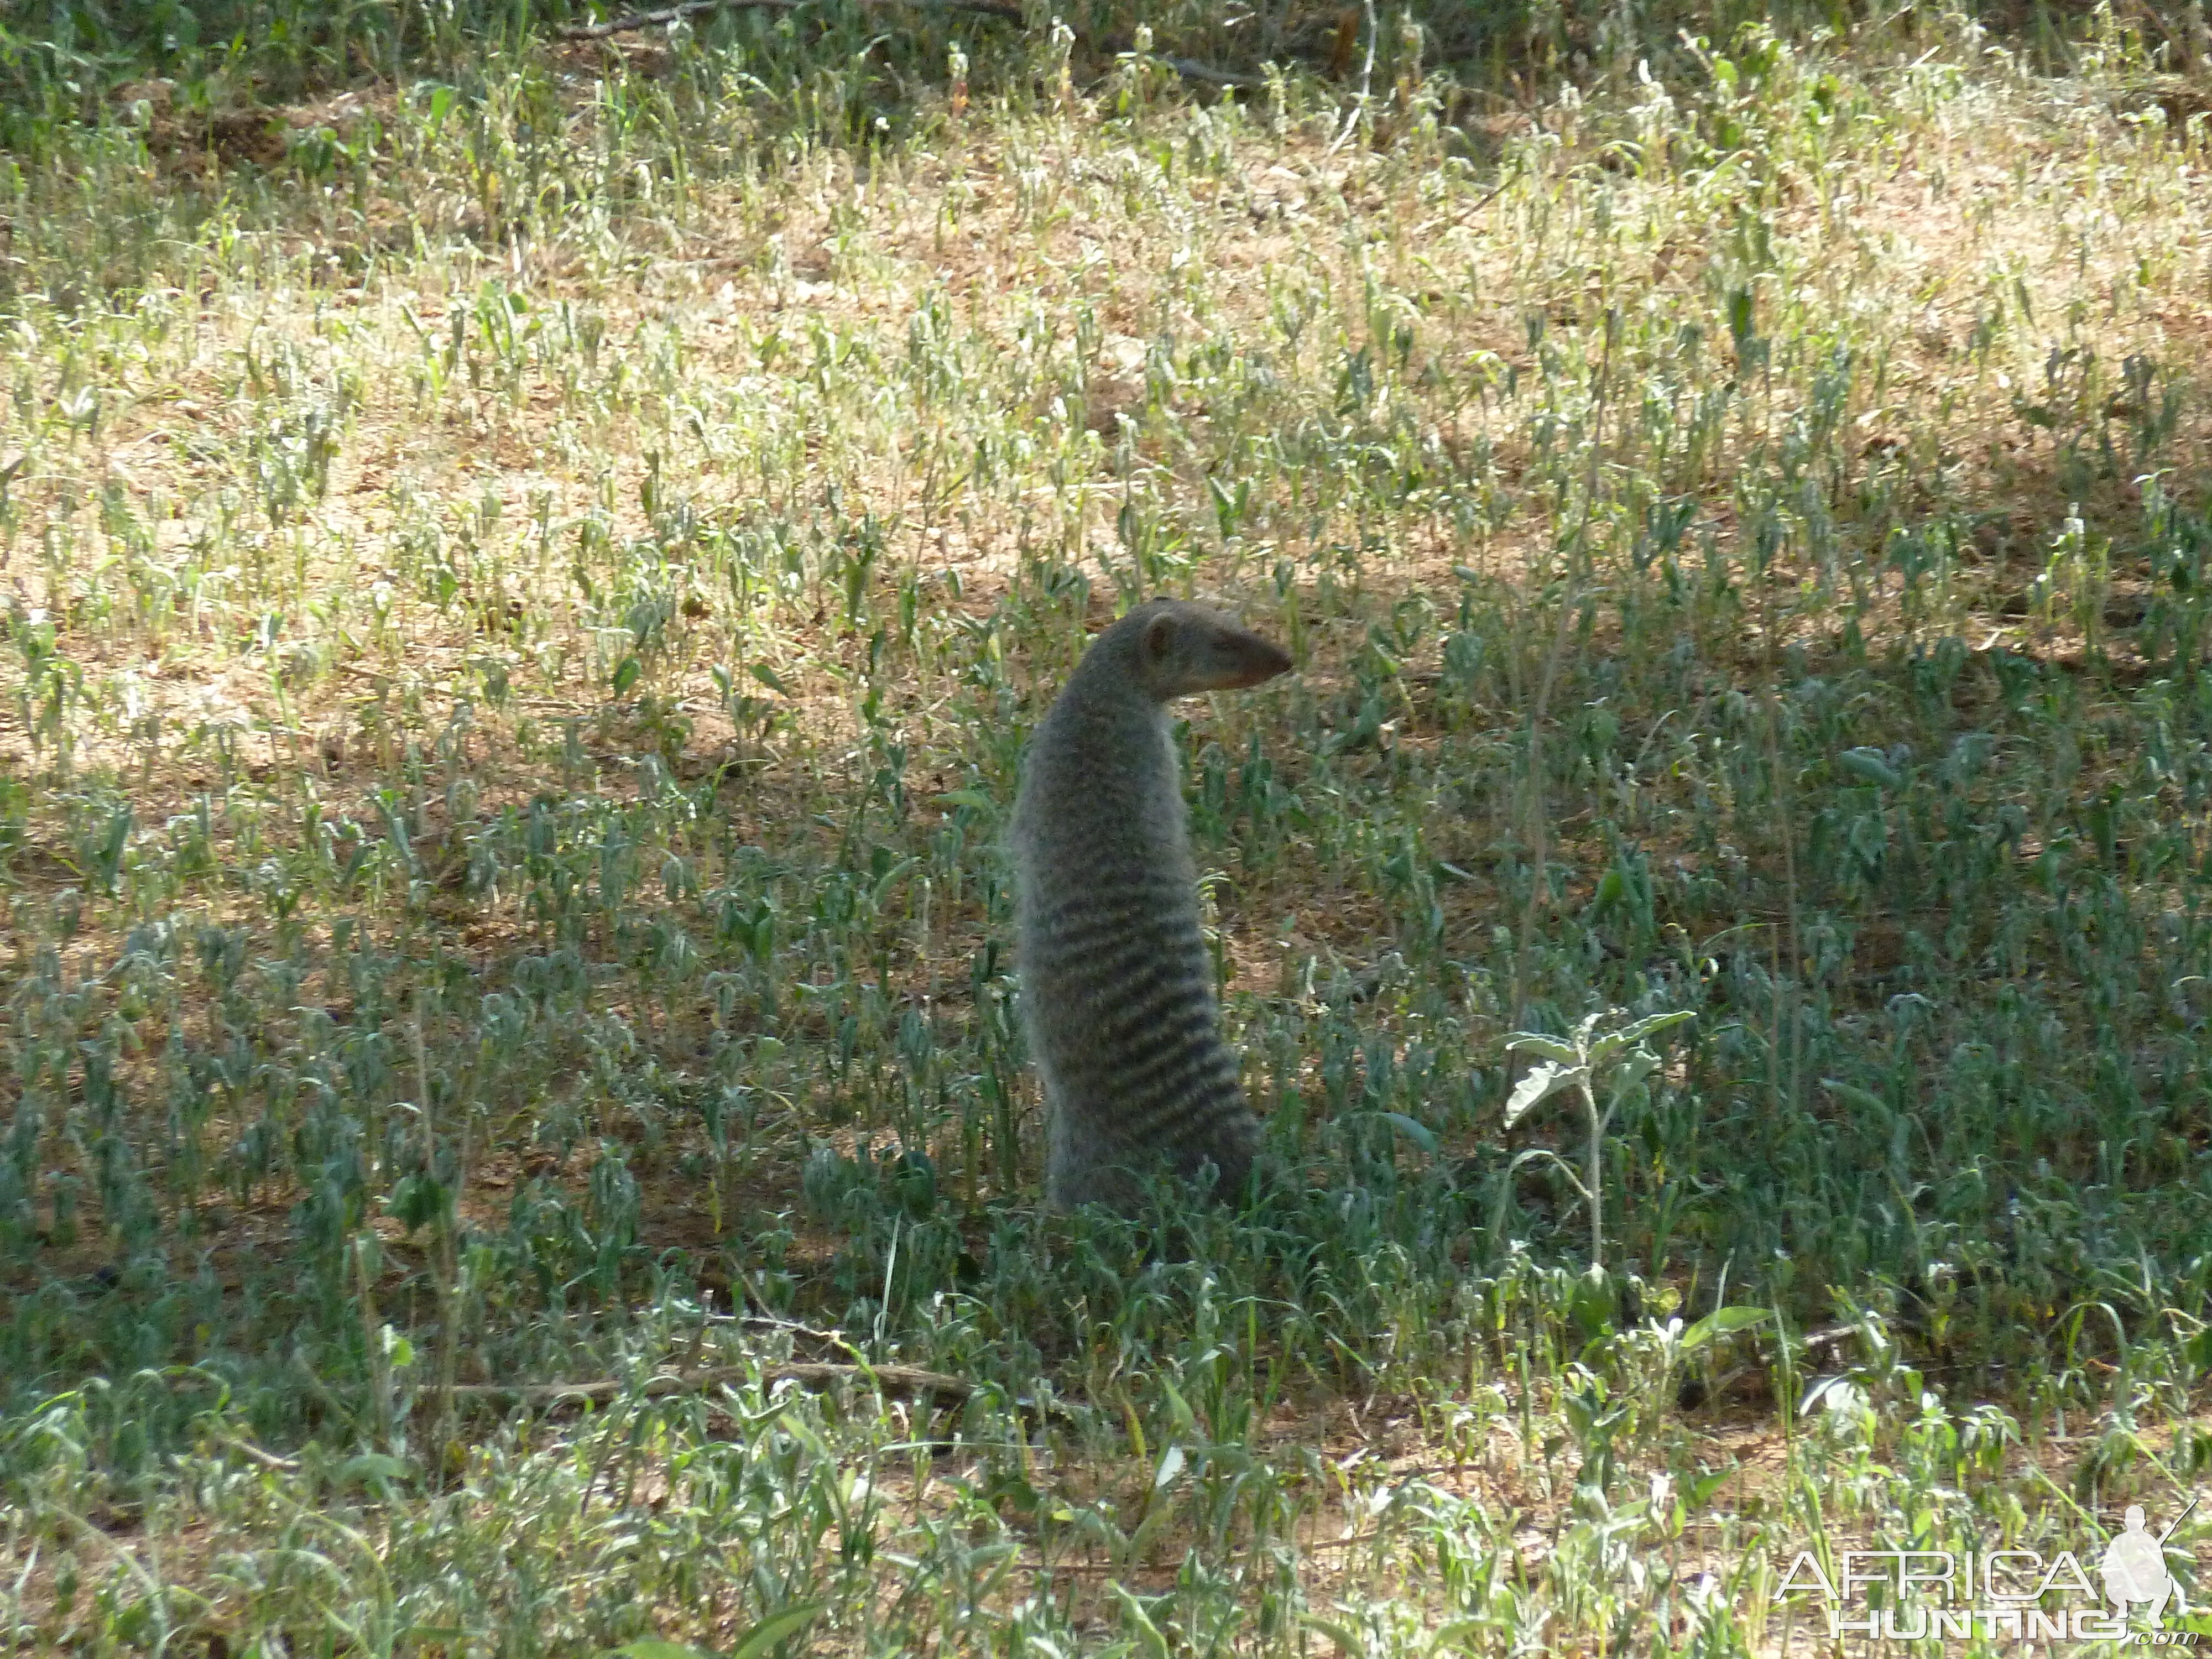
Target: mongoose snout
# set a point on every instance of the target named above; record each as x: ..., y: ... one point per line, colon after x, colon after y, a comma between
x: 1117, y: 991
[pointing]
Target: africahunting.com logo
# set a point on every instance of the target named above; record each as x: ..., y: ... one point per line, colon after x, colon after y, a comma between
x: 1916, y: 1595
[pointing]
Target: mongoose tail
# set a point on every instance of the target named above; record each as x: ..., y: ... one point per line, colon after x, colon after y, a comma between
x: 1117, y: 992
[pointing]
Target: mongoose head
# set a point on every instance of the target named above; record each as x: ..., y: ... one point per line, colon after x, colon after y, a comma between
x: 1182, y: 650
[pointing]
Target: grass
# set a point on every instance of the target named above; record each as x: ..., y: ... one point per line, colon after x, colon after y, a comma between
x: 528, y: 566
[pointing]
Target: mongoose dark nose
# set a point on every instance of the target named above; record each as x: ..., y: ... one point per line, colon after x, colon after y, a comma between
x: 1269, y: 661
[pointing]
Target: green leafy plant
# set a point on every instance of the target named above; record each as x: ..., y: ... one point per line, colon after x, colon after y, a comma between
x: 1619, y: 1060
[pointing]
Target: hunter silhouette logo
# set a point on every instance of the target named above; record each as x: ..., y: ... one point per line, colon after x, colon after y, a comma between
x: 2134, y: 1569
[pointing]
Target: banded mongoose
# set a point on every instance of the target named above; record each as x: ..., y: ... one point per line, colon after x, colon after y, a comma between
x: 1116, y: 995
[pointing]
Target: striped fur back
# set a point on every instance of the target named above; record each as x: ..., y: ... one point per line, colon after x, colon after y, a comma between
x: 1123, y: 1020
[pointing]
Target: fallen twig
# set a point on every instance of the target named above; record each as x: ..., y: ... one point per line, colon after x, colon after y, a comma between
x: 254, y: 1455
x: 645, y: 20
x: 900, y: 1379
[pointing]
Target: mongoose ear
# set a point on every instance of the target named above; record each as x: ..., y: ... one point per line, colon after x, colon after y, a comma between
x: 1160, y: 638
